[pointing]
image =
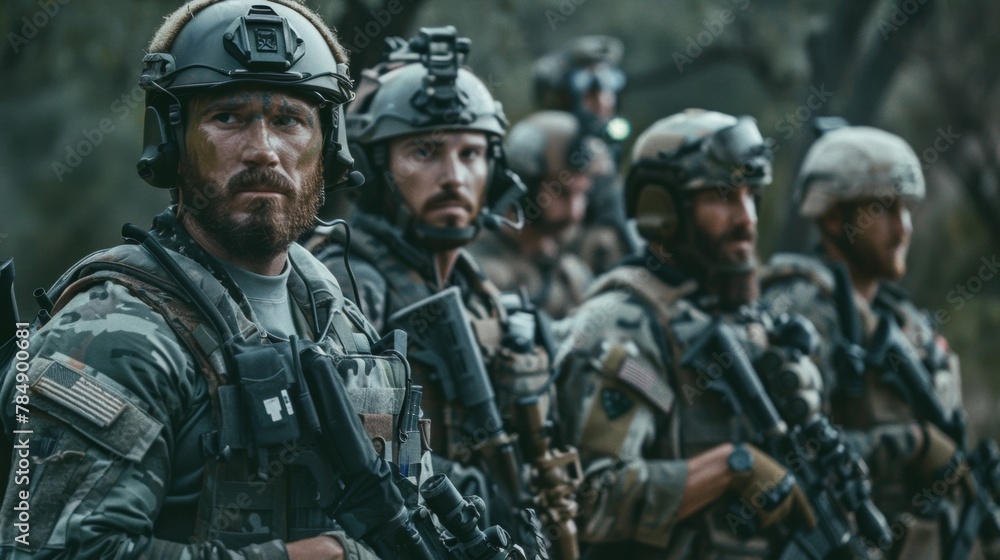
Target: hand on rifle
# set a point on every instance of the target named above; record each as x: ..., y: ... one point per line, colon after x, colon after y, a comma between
x: 768, y: 487
x: 938, y: 458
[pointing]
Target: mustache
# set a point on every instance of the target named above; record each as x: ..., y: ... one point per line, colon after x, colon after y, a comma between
x: 739, y: 233
x: 448, y: 197
x: 259, y: 178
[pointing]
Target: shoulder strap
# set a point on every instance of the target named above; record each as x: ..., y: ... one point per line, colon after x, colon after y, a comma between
x: 784, y: 266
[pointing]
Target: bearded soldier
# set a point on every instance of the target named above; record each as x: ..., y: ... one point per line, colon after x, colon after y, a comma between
x: 430, y: 135
x: 858, y: 184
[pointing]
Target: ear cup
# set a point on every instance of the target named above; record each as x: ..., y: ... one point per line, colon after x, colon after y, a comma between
x: 160, y: 154
x: 656, y: 215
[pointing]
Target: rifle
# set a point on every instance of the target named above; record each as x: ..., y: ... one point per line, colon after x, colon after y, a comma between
x: 834, y: 480
x: 893, y: 354
x: 445, y: 341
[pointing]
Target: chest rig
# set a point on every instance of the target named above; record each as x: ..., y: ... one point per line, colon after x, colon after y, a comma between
x: 699, y: 417
x: 263, y: 478
x: 508, y: 338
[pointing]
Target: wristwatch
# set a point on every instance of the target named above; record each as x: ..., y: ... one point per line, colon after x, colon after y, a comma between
x: 740, y: 460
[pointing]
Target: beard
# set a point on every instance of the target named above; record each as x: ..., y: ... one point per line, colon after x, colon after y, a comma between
x: 270, y: 225
x: 730, y: 275
x: 876, y: 260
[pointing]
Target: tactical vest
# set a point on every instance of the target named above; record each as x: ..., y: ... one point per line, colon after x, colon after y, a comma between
x: 872, y: 403
x: 699, y: 418
x: 409, y: 275
x: 237, y: 505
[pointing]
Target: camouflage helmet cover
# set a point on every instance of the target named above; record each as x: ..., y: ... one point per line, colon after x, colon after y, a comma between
x: 686, y: 152
x: 857, y: 162
x: 552, y: 141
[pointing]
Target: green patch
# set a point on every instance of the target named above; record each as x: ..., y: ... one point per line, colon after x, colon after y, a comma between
x: 615, y: 403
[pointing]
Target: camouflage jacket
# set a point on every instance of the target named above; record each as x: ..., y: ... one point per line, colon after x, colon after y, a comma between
x: 119, y: 405
x: 554, y: 283
x: 875, y: 415
x: 636, y: 413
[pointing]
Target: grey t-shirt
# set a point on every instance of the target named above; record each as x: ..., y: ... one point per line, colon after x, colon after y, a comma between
x: 268, y: 296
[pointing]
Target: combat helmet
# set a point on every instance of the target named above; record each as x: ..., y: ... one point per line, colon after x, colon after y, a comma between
x: 562, y: 78
x: 857, y: 162
x: 423, y: 88
x: 685, y: 153
x: 210, y: 44
x: 553, y: 140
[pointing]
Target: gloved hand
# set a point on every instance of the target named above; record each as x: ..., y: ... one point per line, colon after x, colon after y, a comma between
x: 770, y: 489
x: 937, y: 455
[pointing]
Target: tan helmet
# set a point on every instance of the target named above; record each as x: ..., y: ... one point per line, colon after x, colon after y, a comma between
x: 549, y: 141
x: 857, y: 162
x: 688, y: 152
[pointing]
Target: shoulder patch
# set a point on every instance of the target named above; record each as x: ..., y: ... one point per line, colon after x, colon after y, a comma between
x: 615, y: 403
x: 95, y: 409
x: 643, y: 379
x: 80, y: 394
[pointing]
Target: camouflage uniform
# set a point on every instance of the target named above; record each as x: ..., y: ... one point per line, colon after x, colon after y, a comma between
x: 124, y: 388
x: 636, y: 414
x: 876, y: 417
x: 860, y: 164
x: 554, y: 283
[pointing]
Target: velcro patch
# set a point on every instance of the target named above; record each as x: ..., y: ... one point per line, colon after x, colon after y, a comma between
x: 80, y: 394
x: 647, y: 383
x: 615, y: 403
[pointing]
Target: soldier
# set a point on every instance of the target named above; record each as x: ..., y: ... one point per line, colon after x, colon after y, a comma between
x: 432, y: 135
x: 584, y: 78
x: 558, y: 163
x: 164, y: 391
x: 858, y: 185
x: 665, y: 456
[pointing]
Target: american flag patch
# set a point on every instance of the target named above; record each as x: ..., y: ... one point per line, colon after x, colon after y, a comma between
x: 643, y: 379
x: 79, y: 393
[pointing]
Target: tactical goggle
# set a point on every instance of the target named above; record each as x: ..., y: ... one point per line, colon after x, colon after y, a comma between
x: 737, y: 153
x: 600, y: 77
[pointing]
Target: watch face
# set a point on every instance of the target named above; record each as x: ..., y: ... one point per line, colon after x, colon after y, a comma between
x: 740, y: 460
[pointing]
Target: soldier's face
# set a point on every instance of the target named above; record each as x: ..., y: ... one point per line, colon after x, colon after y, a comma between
x: 878, y: 237
x: 441, y: 177
x: 251, y: 173
x: 567, y: 200
x: 725, y: 221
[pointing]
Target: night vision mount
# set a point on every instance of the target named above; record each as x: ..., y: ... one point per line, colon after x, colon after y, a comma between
x: 442, y: 52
